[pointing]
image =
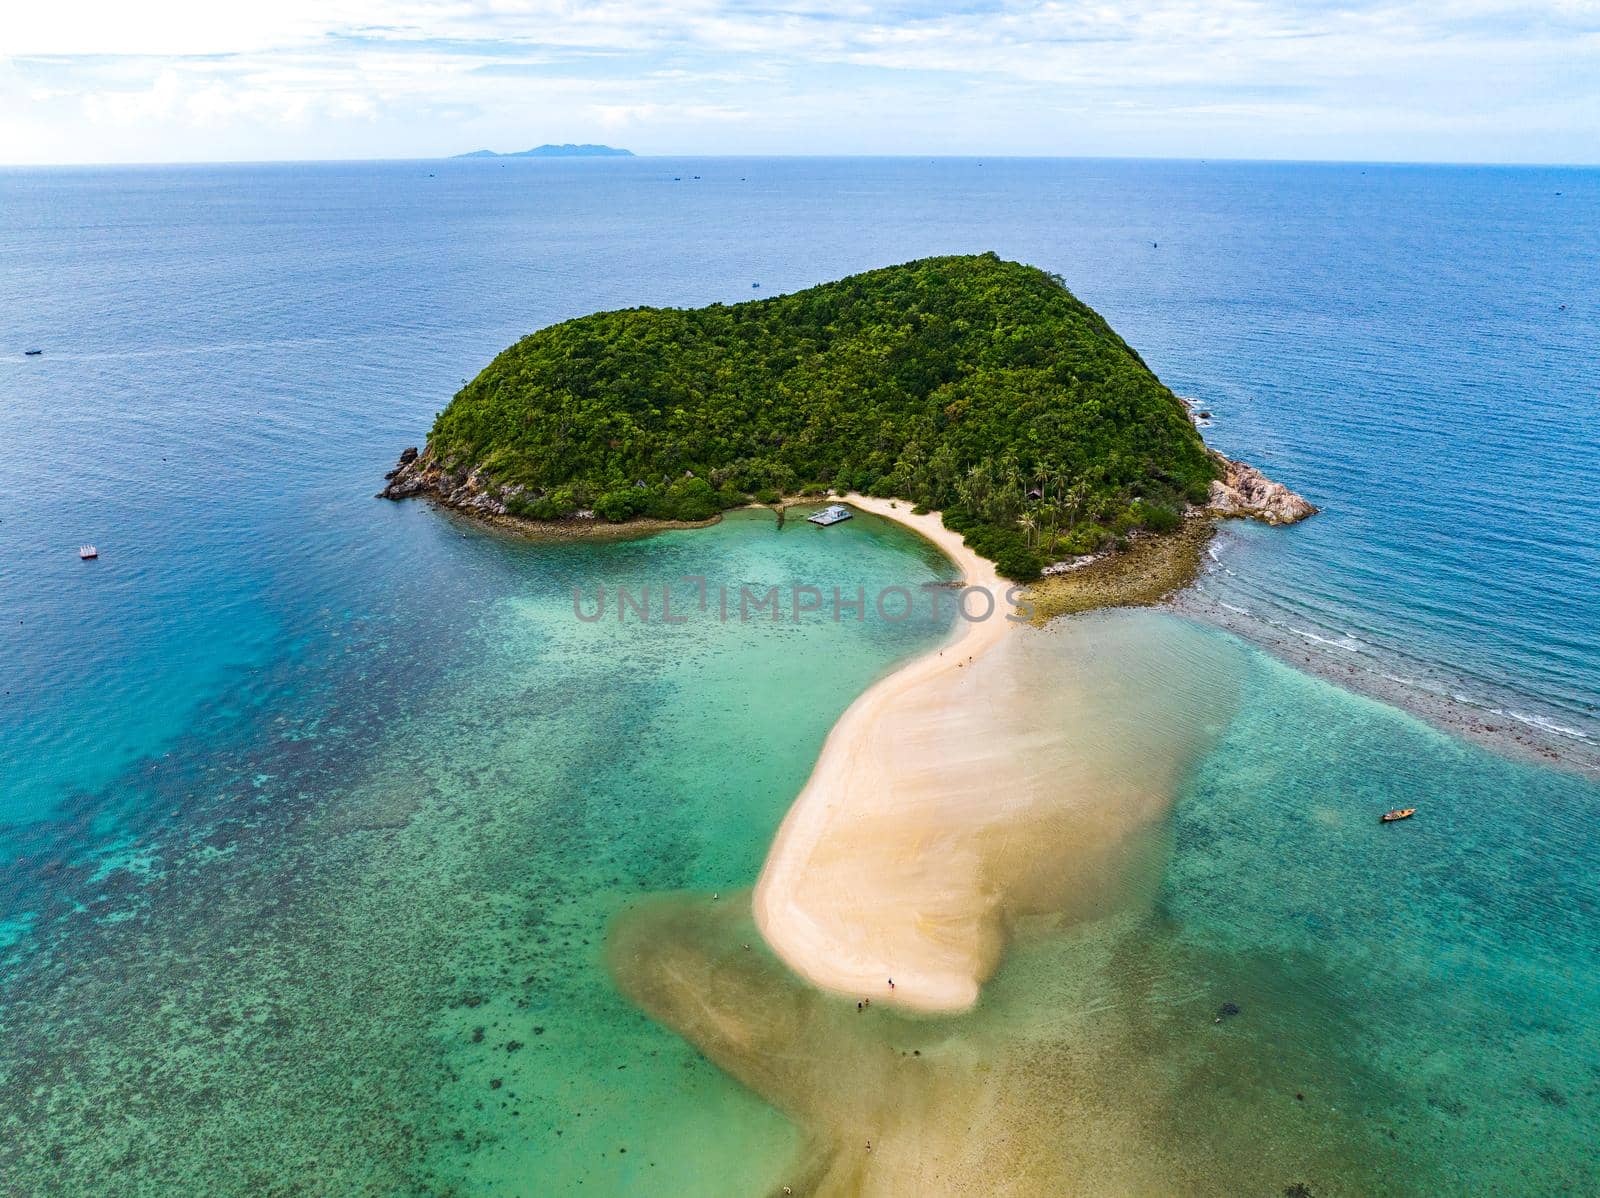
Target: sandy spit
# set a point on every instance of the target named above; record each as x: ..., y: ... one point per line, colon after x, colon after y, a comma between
x: 832, y: 922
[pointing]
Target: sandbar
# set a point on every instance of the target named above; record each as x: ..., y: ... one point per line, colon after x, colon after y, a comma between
x: 831, y: 921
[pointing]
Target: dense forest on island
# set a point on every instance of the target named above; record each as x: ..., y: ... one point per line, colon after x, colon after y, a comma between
x: 971, y: 385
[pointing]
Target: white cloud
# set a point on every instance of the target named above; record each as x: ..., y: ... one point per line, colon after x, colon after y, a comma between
x: 420, y: 76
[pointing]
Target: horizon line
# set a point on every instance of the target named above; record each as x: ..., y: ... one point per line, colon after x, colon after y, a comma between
x: 472, y: 156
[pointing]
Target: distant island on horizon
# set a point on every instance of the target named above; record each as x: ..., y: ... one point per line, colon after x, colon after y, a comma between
x: 548, y: 150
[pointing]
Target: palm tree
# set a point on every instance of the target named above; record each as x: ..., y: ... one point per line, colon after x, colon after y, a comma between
x: 1014, y: 489
x: 1077, y: 496
x: 980, y: 489
x: 1052, y: 510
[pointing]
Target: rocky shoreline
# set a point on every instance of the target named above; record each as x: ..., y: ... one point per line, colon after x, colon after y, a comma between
x: 1242, y: 491
x: 1245, y: 491
x: 421, y: 474
x: 1150, y: 569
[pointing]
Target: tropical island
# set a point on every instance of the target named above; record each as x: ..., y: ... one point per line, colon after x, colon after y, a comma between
x: 975, y: 387
x: 975, y: 401
x: 549, y: 150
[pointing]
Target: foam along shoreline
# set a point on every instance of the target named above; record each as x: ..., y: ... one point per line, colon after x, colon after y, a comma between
x: 1009, y: 774
x: 1437, y: 699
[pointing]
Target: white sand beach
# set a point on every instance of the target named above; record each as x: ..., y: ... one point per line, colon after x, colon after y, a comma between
x: 1008, y: 774
x: 824, y: 914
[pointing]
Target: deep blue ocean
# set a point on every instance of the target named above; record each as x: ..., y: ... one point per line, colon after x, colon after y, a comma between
x: 233, y: 356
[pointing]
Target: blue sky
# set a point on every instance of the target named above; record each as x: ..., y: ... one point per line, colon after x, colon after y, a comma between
x: 205, y: 80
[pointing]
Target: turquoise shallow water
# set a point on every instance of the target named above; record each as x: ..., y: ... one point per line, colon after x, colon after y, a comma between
x: 303, y: 789
x: 388, y: 934
x: 390, y: 938
x: 1290, y: 994
x: 1439, y: 976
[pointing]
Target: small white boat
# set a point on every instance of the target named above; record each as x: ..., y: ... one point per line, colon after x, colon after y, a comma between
x: 88, y: 552
x: 830, y: 515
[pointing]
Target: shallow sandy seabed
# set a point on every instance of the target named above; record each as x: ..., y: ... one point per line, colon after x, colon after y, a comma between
x: 1007, y: 789
x: 1097, y: 1070
x: 1092, y: 1063
x: 970, y: 789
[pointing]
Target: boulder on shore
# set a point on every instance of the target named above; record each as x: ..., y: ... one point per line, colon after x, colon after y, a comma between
x: 470, y: 490
x: 1245, y: 491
